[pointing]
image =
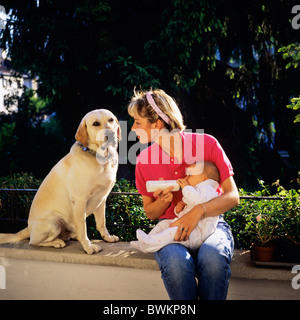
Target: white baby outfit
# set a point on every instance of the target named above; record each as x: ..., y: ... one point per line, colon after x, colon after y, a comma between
x: 162, y: 235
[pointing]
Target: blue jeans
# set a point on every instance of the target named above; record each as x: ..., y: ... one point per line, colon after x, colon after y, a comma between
x: 202, y: 274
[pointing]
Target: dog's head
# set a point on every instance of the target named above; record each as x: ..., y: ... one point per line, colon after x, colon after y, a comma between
x: 97, y: 128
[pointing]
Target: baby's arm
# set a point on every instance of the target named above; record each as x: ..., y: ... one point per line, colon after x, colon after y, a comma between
x: 179, y: 207
x: 194, y: 195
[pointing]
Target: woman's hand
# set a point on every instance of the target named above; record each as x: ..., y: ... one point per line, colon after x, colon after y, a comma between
x: 158, y: 204
x: 164, y: 195
x: 187, y: 223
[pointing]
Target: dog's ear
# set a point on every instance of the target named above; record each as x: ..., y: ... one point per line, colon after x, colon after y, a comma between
x: 81, y: 134
x: 119, y: 135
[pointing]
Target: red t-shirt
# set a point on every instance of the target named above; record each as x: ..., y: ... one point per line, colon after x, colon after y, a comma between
x: 153, y: 163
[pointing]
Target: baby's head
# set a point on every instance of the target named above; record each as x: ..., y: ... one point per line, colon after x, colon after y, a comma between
x: 201, y: 171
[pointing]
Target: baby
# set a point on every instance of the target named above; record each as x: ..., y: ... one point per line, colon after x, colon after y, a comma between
x: 199, y: 186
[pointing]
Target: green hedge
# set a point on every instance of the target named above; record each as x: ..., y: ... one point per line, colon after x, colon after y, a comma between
x: 125, y: 213
x: 279, y: 219
x: 16, y: 205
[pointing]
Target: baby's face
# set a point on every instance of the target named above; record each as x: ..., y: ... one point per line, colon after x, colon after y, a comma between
x: 195, y: 179
x: 195, y: 174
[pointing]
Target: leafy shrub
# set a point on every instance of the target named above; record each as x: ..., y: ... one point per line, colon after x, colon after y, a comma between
x: 124, y: 213
x: 266, y: 220
x: 15, y: 205
x: 20, y: 181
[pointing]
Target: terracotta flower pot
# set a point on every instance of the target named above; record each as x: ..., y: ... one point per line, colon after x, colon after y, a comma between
x: 264, y: 254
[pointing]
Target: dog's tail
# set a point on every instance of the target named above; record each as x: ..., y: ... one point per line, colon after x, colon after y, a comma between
x: 14, y: 237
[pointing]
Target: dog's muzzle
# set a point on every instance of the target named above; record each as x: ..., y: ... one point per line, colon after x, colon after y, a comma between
x: 110, y: 139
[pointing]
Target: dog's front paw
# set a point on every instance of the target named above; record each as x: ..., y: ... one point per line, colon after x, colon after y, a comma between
x: 92, y: 248
x: 106, y: 236
x: 110, y: 238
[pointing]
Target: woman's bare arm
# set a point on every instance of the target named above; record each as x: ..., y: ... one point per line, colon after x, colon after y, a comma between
x: 157, y: 206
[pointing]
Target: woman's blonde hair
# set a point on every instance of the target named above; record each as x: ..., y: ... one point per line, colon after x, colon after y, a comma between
x: 140, y: 105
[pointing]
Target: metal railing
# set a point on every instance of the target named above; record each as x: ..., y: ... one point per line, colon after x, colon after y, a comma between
x: 15, y: 218
x: 137, y: 194
x: 12, y: 215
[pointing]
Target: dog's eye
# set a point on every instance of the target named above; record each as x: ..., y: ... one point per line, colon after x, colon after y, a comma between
x: 96, y: 124
x: 111, y: 120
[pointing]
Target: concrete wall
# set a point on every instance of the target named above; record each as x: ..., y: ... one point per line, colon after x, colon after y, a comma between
x: 118, y: 272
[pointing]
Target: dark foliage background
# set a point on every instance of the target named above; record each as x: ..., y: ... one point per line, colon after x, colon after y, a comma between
x: 218, y: 59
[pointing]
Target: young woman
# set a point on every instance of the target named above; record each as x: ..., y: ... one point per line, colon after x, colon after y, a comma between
x: 158, y: 119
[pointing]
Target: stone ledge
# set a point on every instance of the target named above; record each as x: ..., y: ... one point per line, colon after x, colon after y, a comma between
x: 121, y: 254
x: 243, y: 267
x: 118, y: 254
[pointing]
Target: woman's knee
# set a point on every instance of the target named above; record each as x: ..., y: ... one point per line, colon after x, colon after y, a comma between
x: 177, y: 271
x: 213, y: 273
x: 213, y: 262
x: 174, y: 259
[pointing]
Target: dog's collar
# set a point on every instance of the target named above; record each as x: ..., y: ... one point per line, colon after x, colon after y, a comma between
x: 110, y: 158
x: 88, y: 150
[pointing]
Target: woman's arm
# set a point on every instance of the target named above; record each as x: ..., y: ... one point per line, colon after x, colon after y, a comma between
x: 154, y: 208
x: 214, y: 207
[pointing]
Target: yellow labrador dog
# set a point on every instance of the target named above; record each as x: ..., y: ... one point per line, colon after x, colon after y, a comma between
x: 77, y: 186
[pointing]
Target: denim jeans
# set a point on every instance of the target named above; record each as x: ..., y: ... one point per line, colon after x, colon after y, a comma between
x: 203, y: 274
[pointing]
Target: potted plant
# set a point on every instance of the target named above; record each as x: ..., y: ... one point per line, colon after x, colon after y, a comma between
x: 274, y: 226
x: 262, y: 227
x: 262, y: 224
x: 255, y: 221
